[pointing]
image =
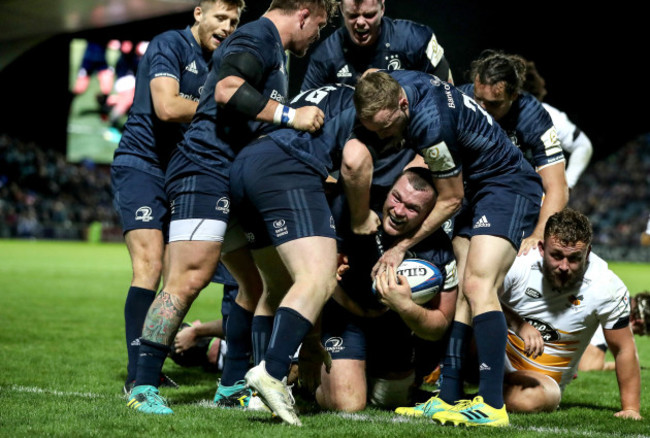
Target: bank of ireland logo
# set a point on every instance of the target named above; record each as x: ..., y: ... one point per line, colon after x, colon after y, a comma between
x: 280, y: 227
x: 393, y: 62
x: 223, y: 204
x: 334, y: 344
x: 143, y: 214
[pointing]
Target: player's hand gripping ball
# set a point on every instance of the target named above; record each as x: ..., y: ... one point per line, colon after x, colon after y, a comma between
x: 424, y: 278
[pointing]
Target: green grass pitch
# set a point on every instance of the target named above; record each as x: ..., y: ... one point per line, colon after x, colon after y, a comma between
x: 62, y: 364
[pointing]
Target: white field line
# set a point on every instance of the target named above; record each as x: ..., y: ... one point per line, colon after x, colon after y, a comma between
x: 545, y: 430
x: 35, y: 390
x: 354, y: 417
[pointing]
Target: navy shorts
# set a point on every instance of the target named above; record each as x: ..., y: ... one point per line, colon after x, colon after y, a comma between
x: 194, y: 192
x: 140, y: 199
x: 385, y: 343
x: 497, y: 211
x: 278, y: 198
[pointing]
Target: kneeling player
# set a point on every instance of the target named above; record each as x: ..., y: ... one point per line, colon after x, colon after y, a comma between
x: 554, y: 299
x: 371, y: 338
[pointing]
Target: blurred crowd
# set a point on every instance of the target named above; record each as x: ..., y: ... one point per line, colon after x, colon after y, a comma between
x: 43, y: 196
x: 615, y: 194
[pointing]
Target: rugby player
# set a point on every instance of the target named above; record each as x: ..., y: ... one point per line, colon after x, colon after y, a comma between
x: 168, y: 83
x: 482, y: 178
x: 593, y: 359
x: 497, y: 81
x: 371, y: 337
x: 278, y: 192
x: 368, y: 39
x: 243, y: 97
x: 554, y: 300
x: 573, y: 140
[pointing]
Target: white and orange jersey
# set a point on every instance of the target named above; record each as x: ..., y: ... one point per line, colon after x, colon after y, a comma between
x: 567, y: 319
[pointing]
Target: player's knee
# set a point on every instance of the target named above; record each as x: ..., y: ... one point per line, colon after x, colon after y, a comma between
x: 341, y: 400
x: 528, y: 393
x: 355, y: 158
x: 390, y: 394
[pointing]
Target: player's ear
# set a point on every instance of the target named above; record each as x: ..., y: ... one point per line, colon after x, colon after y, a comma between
x: 198, y: 13
x: 304, y: 15
x: 403, y: 103
x: 540, y: 247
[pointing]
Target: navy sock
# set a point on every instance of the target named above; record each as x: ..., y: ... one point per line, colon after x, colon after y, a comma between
x: 150, y: 362
x: 238, y: 356
x: 289, y: 329
x: 491, y: 332
x: 137, y: 304
x: 451, y: 389
x: 262, y: 328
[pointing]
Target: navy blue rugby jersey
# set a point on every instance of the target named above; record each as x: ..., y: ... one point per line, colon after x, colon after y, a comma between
x: 363, y: 252
x: 216, y: 133
x: 454, y: 134
x: 147, y: 142
x: 402, y: 44
x: 321, y: 150
x: 530, y: 128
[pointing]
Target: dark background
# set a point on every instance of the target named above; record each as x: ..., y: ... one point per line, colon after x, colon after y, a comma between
x: 592, y: 57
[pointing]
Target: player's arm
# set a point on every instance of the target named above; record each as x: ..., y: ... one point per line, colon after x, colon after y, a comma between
x: 533, y: 341
x: 168, y: 103
x: 556, y: 196
x: 581, y: 151
x: 628, y: 373
x: 239, y: 77
x: 435, y: 59
x: 427, y: 323
x: 315, y: 74
x: 188, y: 336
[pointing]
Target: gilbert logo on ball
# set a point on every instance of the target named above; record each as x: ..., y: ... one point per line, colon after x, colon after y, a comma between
x: 424, y: 278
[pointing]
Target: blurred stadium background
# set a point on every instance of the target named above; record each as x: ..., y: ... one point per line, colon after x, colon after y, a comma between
x: 48, y: 190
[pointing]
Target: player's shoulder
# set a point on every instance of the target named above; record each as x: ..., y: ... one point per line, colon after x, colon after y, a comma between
x: 409, y: 34
x: 529, y: 104
x: 259, y: 33
x: 602, y: 279
x: 532, y: 117
x: 408, y: 26
x: 525, y: 264
x: 329, y: 48
x: 467, y: 88
x: 557, y: 116
x: 172, y: 36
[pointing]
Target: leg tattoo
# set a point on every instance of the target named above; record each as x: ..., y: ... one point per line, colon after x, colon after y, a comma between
x: 164, y: 318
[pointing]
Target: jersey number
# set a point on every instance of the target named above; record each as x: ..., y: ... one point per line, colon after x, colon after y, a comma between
x: 315, y: 96
x: 471, y: 104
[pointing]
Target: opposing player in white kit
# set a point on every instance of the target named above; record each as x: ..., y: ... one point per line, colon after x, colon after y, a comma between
x: 554, y: 299
x: 573, y: 139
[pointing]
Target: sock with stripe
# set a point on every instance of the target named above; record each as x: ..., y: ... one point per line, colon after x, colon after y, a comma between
x: 491, y: 332
x: 289, y: 329
x: 239, y: 352
x: 151, y: 358
x: 262, y: 328
x: 451, y: 389
x: 138, y: 301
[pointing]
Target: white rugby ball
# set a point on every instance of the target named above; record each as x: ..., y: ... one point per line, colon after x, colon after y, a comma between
x: 425, y: 279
